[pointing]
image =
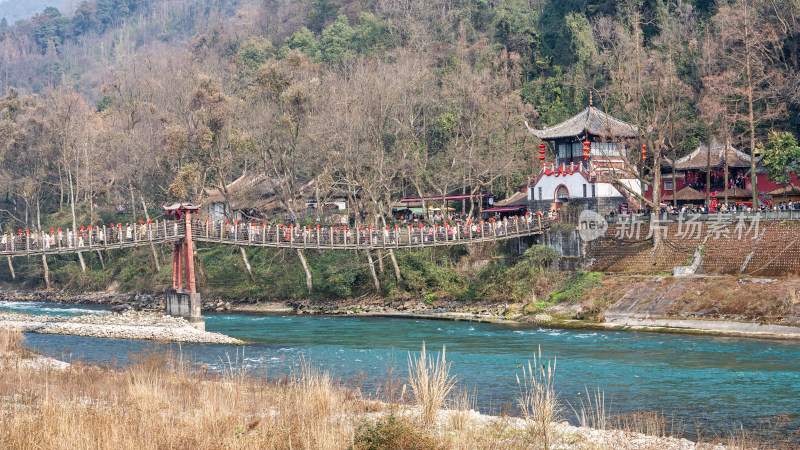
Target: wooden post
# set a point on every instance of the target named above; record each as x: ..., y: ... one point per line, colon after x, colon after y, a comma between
x: 176, y: 267
x: 189, y: 257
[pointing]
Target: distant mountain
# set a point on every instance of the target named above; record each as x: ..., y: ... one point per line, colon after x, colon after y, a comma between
x: 14, y: 10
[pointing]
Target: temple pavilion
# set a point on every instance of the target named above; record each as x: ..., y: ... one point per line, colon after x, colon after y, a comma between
x: 599, y: 179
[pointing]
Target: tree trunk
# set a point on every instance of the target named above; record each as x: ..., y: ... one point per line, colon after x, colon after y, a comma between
x: 74, y: 218
x: 380, y: 261
x: 45, y: 267
x: 751, y: 120
x: 246, y: 263
x: 395, y: 265
x: 11, y: 268
x: 152, y: 245
x: 674, y: 180
x: 309, y: 280
x: 708, y: 171
x: 727, y: 168
x: 374, y: 274
x: 46, y: 271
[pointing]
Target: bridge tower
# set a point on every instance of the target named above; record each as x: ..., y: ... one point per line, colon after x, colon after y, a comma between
x: 183, y: 300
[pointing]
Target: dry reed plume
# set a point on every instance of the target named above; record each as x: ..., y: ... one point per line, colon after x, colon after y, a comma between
x: 592, y: 411
x: 538, y: 399
x: 10, y: 340
x: 430, y: 382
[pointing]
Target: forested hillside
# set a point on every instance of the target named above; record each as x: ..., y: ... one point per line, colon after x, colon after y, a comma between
x: 13, y: 10
x: 147, y: 101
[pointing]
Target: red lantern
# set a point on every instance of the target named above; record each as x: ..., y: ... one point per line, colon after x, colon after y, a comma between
x: 644, y: 151
x: 587, y: 143
x: 541, y: 152
x: 59, y: 230
x: 51, y: 230
x: 149, y: 221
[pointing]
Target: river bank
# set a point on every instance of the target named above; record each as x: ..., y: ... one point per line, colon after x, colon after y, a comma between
x: 105, y: 407
x: 714, y: 305
x: 127, y: 325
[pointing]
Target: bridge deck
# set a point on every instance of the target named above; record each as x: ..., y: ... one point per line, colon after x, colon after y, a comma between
x: 267, y: 235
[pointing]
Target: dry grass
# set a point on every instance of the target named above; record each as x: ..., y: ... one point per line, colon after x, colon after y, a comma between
x: 649, y: 422
x: 164, y: 401
x: 462, y: 405
x: 430, y: 382
x: 592, y: 411
x: 10, y: 340
x: 538, y: 399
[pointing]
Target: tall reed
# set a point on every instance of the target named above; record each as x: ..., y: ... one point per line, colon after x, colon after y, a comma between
x: 430, y: 382
x: 538, y: 399
x: 592, y: 411
x: 10, y: 339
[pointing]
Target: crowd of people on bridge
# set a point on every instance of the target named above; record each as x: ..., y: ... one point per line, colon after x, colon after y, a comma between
x: 118, y: 234
x: 87, y: 236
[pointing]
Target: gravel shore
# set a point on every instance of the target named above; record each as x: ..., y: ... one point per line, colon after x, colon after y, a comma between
x: 128, y: 325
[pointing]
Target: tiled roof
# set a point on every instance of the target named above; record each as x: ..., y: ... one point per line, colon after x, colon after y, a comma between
x: 734, y: 192
x: 518, y: 199
x: 698, y: 159
x: 686, y: 194
x: 791, y: 189
x: 592, y: 121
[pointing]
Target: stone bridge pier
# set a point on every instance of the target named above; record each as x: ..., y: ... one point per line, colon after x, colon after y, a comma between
x: 184, y: 301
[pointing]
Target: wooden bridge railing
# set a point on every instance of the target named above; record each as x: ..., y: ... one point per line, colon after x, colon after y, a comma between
x: 26, y: 242
x: 343, y: 237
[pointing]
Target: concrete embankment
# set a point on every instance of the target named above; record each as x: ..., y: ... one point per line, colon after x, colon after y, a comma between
x: 128, y: 325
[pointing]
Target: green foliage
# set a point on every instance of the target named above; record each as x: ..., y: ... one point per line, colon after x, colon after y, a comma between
x: 582, y: 43
x: 335, y: 42
x: 254, y: 52
x: 514, y: 27
x: 576, y: 286
x: 321, y: 12
x: 392, y: 433
x: 373, y: 35
x: 104, y: 103
x: 302, y: 40
x: 781, y: 156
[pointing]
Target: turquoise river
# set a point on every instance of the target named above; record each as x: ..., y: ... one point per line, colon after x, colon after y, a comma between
x: 702, y: 383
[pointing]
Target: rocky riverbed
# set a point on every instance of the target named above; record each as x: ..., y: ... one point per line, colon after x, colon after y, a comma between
x: 127, y: 325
